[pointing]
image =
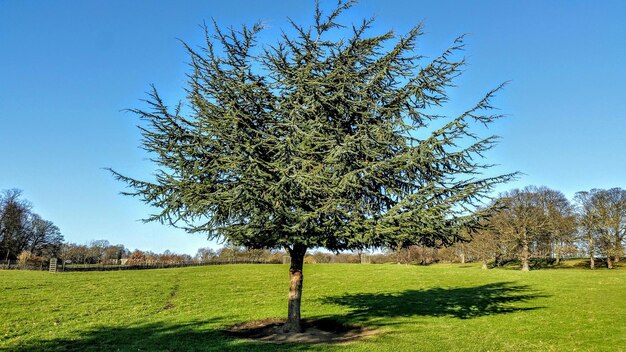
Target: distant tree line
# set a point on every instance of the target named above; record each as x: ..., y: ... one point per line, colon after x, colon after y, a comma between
x: 101, y: 252
x: 139, y: 257
x: 531, y: 226
x: 238, y: 254
x: 95, y: 252
x: 23, y: 233
x: 538, y: 223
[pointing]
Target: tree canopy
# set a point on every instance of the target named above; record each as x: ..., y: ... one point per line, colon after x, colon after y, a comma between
x: 602, y: 214
x: 314, y: 141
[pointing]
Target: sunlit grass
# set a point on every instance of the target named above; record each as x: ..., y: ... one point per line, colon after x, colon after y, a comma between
x: 441, y: 307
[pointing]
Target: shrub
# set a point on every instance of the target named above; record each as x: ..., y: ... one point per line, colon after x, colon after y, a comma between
x: 136, y: 257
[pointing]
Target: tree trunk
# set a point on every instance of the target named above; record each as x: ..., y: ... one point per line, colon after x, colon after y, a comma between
x: 295, y: 289
x: 484, y: 266
x: 619, y: 250
x: 592, y: 262
x: 609, y: 262
x: 557, y: 253
x: 525, y: 255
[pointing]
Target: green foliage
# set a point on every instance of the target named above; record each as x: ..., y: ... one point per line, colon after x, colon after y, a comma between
x: 313, y: 141
x: 439, y: 307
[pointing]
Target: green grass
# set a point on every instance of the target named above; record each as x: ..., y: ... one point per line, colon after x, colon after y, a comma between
x: 436, y: 308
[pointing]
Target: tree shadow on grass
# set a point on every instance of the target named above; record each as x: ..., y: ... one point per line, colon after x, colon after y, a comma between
x: 458, y: 302
x: 193, y: 336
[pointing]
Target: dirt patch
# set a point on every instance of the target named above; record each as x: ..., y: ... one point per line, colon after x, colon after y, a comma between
x: 315, y: 331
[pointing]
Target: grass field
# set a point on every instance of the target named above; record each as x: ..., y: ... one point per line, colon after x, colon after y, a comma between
x: 435, y: 308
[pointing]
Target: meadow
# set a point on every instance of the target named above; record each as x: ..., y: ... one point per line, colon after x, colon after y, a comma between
x: 412, y: 308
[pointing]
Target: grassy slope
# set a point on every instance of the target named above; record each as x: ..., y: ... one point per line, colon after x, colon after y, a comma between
x: 417, y: 308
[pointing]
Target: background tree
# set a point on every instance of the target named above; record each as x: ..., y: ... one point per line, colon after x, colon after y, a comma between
x: 616, y: 222
x: 73, y: 252
x: 560, y: 220
x: 321, y: 257
x: 602, y: 217
x: 205, y: 254
x: 98, y: 251
x: 45, y: 237
x: 137, y: 257
x: 587, y: 221
x: 484, y: 245
x: 229, y: 253
x: 316, y: 141
x: 537, y: 221
x: 520, y: 218
x: 112, y: 254
x: 14, y: 214
x: 22, y: 230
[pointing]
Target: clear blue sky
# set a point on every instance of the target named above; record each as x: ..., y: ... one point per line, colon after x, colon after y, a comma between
x: 67, y: 68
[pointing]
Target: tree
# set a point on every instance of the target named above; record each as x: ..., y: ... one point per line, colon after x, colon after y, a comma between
x: 75, y: 253
x: 316, y: 142
x: 22, y: 230
x: 587, y: 223
x: 538, y: 221
x: 484, y: 244
x: 205, y: 254
x: 14, y: 215
x: 97, y: 250
x: 520, y: 218
x: 602, y: 217
x: 114, y: 253
x: 615, y: 222
x: 45, y: 237
x: 136, y: 258
x: 560, y: 220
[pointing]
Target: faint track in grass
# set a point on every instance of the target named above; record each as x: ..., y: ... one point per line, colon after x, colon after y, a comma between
x: 169, y: 304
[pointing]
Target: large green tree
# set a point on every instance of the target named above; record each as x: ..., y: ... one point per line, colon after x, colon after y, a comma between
x: 328, y: 137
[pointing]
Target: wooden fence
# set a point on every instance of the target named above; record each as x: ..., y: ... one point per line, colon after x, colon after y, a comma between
x: 16, y: 265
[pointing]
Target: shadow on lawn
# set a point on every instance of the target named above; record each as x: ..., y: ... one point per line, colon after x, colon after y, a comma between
x: 194, y: 336
x: 461, y: 302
